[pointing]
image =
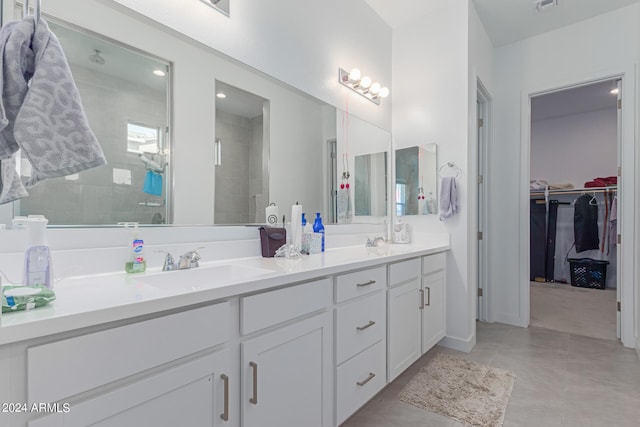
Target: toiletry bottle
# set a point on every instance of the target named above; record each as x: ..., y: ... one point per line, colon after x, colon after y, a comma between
x: 319, y: 228
x: 304, y: 220
x: 136, y: 263
x: 37, y: 258
x: 431, y: 204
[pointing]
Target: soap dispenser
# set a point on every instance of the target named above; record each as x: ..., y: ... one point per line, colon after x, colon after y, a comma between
x: 136, y: 262
x: 37, y: 258
x: 318, y: 227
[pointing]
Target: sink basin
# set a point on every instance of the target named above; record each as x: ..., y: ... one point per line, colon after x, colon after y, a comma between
x: 202, y: 277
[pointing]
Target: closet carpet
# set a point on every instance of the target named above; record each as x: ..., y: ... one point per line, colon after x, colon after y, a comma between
x: 561, y: 380
x: 579, y: 311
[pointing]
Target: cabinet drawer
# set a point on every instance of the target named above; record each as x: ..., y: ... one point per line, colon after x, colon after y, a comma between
x: 270, y: 308
x: 359, y: 324
x: 359, y: 283
x: 359, y: 379
x: 432, y: 263
x: 67, y: 367
x: 404, y: 271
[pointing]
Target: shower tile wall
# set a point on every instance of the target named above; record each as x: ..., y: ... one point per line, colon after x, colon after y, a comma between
x: 237, y: 178
x: 93, y: 198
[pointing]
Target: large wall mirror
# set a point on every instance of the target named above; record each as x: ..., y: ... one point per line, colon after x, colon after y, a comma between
x: 416, y: 181
x: 179, y: 154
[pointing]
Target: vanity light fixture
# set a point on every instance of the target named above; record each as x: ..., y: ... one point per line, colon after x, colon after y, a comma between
x: 362, y: 85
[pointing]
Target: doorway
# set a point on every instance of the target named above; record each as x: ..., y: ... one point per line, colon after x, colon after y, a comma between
x: 574, y: 154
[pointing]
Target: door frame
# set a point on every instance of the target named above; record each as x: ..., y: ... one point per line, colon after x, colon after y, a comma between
x: 484, y: 105
x: 626, y: 194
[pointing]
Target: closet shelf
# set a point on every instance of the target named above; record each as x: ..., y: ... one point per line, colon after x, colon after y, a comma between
x: 576, y: 190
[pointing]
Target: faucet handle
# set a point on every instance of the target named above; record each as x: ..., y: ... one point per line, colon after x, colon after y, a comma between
x: 169, y: 262
x: 190, y: 259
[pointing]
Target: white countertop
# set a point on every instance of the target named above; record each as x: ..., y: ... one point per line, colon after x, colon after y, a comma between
x: 84, y: 301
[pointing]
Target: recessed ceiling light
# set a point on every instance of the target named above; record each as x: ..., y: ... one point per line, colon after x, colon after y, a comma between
x: 221, y: 95
x: 543, y: 5
x: 159, y: 73
x: 614, y: 91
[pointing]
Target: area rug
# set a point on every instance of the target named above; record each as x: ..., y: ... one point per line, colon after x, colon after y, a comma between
x: 470, y: 393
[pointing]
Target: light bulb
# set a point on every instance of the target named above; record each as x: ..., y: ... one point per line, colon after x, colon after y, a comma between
x: 384, y: 92
x: 221, y: 95
x: 614, y: 91
x: 159, y: 73
x: 365, y: 82
x: 375, y: 88
x: 354, y: 75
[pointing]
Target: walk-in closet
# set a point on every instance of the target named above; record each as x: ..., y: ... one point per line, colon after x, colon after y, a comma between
x: 573, y: 210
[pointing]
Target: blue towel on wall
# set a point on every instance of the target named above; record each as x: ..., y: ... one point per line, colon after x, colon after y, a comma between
x: 152, y: 183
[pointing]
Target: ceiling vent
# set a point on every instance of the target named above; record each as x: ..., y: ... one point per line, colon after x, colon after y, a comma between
x: 544, y: 5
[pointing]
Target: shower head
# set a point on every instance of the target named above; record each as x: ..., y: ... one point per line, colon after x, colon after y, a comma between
x: 96, y: 58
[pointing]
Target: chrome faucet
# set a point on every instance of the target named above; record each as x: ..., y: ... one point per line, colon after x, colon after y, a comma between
x: 374, y: 243
x: 189, y: 260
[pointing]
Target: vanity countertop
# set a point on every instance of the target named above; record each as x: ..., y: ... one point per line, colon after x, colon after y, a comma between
x: 84, y: 301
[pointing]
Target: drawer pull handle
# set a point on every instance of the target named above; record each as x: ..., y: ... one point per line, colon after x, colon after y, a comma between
x: 370, y: 282
x: 369, y: 378
x: 421, y: 307
x: 254, y: 398
x: 225, y: 414
x: 428, y: 296
x: 368, y: 325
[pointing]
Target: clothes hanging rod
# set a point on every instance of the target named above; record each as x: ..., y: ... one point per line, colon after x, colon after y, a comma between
x: 575, y: 191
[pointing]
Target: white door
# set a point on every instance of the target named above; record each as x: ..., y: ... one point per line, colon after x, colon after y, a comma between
x: 404, y: 327
x: 433, y: 313
x: 284, y: 376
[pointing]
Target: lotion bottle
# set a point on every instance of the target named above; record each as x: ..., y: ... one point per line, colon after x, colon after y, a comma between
x: 318, y: 227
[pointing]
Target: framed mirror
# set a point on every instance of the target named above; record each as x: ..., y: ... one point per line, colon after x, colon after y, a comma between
x: 416, y: 188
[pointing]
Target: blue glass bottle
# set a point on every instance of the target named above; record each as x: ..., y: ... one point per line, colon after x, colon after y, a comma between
x: 318, y: 227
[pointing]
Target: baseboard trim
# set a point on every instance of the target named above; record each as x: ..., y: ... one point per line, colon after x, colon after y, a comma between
x: 459, y: 344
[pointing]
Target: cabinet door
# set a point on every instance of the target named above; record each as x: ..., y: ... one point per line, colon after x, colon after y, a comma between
x: 181, y: 395
x: 433, y: 314
x: 404, y: 327
x: 286, y: 376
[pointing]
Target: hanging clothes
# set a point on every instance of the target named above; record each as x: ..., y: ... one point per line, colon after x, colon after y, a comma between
x: 537, y: 233
x: 613, y: 224
x: 585, y: 223
x: 550, y: 251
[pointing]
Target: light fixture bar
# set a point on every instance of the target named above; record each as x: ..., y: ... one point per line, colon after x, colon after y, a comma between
x: 362, y: 85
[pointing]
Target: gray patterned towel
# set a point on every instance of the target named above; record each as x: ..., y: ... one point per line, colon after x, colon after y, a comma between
x: 45, y: 117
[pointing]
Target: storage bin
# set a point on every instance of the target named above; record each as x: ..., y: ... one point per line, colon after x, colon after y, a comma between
x: 588, y: 273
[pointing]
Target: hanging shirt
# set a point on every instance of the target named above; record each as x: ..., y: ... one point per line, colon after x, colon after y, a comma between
x: 585, y: 223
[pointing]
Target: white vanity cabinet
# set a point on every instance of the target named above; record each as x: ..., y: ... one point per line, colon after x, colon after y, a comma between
x: 360, y: 336
x: 165, y: 371
x: 286, y: 380
x: 433, y: 304
x: 405, y: 317
x: 417, y: 309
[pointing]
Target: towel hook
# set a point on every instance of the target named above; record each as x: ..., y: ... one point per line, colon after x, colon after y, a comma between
x: 450, y: 165
x: 25, y: 9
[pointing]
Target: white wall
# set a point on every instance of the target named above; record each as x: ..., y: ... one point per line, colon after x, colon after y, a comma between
x: 302, y: 43
x: 575, y: 148
x: 430, y: 96
x: 604, y: 45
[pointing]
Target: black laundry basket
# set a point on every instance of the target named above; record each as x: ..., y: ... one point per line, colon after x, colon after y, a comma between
x: 588, y: 273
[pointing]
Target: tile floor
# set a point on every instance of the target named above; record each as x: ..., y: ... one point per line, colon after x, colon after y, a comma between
x: 561, y: 380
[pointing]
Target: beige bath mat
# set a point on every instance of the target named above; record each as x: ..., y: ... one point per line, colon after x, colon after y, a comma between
x: 472, y: 394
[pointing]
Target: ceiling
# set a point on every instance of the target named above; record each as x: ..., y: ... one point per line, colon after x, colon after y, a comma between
x: 576, y: 100
x: 238, y: 101
x: 505, y: 21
